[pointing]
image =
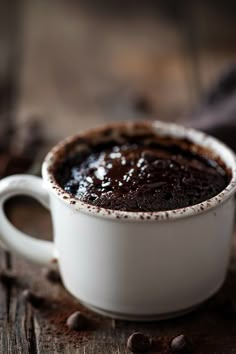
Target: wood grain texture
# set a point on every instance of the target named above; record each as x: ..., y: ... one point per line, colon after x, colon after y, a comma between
x: 27, y: 330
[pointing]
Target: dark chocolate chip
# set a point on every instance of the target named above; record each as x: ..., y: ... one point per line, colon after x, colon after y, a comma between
x: 8, y: 277
x: 35, y: 300
x: 52, y: 275
x: 181, y: 344
x: 138, y: 342
x: 77, y: 321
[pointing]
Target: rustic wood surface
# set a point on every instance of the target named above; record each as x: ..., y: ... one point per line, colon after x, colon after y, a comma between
x: 26, y: 330
x: 81, y: 65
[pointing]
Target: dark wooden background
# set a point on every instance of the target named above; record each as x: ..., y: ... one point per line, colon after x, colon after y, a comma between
x: 76, y: 64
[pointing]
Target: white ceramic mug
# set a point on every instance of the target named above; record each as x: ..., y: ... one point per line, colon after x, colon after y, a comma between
x: 126, y: 264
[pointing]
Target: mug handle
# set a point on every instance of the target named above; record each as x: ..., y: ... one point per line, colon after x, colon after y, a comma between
x: 37, y: 251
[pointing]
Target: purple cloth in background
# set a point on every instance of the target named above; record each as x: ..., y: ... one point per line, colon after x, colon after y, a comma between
x: 217, y: 114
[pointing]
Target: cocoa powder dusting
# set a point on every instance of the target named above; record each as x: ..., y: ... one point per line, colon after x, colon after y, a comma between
x: 55, y: 316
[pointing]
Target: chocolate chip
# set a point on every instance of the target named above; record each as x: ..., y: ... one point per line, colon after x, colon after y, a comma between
x: 77, y: 321
x: 8, y: 277
x: 138, y: 342
x: 52, y: 275
x: 181, y: 344
x: 35, y: 300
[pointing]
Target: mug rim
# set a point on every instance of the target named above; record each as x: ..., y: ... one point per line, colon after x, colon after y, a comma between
x: 160, y: 128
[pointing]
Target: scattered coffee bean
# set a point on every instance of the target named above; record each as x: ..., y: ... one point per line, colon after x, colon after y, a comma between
x: 8, y: 277
x: 138, y: 342
x: 52, y: 275
x: 181, y: 344
x: 35, y: 300
x: 77, y: 321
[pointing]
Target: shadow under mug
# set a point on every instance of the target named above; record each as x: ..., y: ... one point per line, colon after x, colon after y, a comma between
x: 130, y: 265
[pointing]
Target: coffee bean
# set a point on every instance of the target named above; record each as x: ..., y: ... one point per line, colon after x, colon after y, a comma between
x: 77, y: 321
x: 181, y: 344
x: 35, y: 300
x: 8, y: 277
x: 138, y: 342
x: 52, y: 275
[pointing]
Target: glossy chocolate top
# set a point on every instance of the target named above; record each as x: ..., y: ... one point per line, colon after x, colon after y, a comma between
x: 140, y: 175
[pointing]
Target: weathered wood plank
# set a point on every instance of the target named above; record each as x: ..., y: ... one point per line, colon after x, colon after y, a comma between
x: 46, y: 329
x: 19, y: 331
x: 4, y: 332
x: 211, y: 333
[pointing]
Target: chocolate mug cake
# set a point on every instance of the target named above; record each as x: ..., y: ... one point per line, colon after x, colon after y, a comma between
x: 142, y: 214
x: 141, y: 173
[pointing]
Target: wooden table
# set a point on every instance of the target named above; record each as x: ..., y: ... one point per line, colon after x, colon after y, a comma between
x: 81, y: 65
x: 28, y: 330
